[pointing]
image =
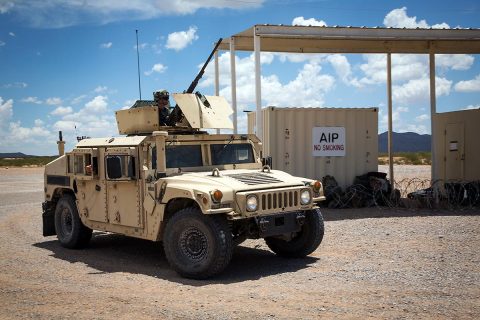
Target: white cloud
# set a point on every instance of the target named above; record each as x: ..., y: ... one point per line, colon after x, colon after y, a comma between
x: 13, y: 132
x: 343, y: 69
x: 100, y: 89
x: 468, y: 85
x: 141, y: 46
x: 54, y: 101
x: 15, y: 85
x: 181, y: 39
x: 11, y: 34
x: 301, y: 57
x: 106, y: 45
x: 6, y: 112
x: 422, y: 117
x: 418, y: 90
x: 97, y: 104
x: 32, y: 100
x: 398, y: 18
x: 454, y: 61
x: 404, y: 67
x: 78, y: 99
x: 158, y: 68
x: 63, y: 13
x: 472, y: 107
x: 301, y: 21
x: 5, y: 7
x: 306, y: 89
x: 62, y: 111
x: 93, y: 120
x: 2, y: 43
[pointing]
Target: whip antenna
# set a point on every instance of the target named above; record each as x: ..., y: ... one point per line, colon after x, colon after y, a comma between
x: 138, y: 68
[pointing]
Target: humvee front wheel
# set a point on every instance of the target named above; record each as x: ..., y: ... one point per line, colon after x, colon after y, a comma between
x: 197, y: 246
x: 304, y: 242
x: 69, y: 228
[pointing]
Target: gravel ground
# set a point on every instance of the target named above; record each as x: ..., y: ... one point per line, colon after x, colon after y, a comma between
x: 373, y: 263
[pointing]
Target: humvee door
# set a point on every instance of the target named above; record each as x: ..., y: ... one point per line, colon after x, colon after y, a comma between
x: 83, y: 164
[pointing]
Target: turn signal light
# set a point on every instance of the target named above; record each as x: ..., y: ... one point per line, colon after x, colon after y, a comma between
x: 217, y: 196
x: 316, y: 186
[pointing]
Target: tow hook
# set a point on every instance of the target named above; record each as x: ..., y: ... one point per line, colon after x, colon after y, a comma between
x: 262, y: 224
x: 301, y: 218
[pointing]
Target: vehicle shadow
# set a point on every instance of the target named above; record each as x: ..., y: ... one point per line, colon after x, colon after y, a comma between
x: 387, y: 212
x: 110, y: 253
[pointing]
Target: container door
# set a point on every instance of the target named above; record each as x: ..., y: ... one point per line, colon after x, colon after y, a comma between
x: 454, y: 152
x: 123, y: 187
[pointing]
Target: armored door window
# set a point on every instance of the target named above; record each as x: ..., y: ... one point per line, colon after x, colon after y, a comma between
x: 120, y: 167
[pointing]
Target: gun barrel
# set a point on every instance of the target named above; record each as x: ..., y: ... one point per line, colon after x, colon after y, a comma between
x: 202, y: 71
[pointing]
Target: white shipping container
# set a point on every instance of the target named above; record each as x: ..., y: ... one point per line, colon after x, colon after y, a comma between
x: 315, y: 142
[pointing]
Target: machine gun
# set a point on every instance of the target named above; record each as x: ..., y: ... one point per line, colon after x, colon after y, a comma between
x: 176, y: 115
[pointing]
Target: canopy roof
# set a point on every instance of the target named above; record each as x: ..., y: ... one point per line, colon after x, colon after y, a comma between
x: 314, y: 39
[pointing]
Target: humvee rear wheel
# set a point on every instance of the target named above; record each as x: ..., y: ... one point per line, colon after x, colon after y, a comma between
x: 69, y: 228
x: 304, y: 242
x: 196, y: 245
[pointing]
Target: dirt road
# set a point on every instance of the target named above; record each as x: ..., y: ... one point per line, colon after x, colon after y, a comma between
x: 395, y: 264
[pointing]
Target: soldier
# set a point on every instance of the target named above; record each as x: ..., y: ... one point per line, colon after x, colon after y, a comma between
x: 161, y: 99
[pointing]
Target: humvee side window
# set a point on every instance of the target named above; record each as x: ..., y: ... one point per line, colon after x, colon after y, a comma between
x: 120, y: 167
x: 231, y: 153
x: 183, y: 156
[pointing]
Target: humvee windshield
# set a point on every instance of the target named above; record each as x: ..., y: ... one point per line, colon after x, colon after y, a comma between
x: 185, y: 156
x: 231, y: 153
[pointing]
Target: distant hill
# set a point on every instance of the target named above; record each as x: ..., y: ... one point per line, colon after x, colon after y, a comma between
x: 405, y: 142
x: 14, y: 155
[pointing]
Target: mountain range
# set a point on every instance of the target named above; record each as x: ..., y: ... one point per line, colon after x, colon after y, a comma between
x: 402, y: 142
x: 405, y: 142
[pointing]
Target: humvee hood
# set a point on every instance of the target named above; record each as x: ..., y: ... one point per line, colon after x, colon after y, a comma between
x: 240, y: 180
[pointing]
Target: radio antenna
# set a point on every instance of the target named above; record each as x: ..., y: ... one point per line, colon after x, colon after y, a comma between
x: 138, y: 68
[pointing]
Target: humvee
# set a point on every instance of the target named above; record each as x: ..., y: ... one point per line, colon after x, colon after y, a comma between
x: 199, y: 193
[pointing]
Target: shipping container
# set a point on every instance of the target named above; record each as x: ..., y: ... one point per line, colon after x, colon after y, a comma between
x: 457, y: 146
x: 315, y: 142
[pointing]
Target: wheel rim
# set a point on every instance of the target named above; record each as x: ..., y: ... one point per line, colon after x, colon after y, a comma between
x: 67, y: 222
x: 193, y: 244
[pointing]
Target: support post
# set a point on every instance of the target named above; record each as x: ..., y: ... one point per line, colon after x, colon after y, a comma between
x: 217, y: 79
x: 390, y: 125
x: 233, y: 83
x: 433, y: 111
x: 258, y: 86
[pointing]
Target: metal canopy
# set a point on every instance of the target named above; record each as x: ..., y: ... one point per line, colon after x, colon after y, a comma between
x: 316, y: 39
x: 302, y: 39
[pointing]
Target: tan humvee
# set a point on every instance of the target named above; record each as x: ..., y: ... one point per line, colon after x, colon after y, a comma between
x: 199, y: 193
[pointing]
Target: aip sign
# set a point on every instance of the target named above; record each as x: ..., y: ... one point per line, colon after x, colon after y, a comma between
x: 328, y: 142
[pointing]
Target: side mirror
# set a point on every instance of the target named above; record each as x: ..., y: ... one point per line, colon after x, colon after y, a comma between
x: 267, y: 161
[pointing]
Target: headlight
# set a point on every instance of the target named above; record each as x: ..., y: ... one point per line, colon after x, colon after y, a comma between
x: 305, y: 197
x: 252, y: 203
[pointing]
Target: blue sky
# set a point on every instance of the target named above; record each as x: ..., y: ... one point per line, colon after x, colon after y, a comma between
x: 70, y: 64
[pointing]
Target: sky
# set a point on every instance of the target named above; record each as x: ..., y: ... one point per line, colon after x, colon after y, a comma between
x: 69, y: 64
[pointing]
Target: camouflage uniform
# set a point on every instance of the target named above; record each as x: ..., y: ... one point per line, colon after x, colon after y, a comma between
x: 164, y: 109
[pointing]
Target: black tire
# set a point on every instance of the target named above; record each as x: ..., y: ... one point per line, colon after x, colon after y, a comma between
x: 197, y: 246
x: 71, y: 232
x: 305, y: 242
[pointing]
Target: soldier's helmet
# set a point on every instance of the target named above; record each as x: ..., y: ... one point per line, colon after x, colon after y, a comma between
x: 162, y: 94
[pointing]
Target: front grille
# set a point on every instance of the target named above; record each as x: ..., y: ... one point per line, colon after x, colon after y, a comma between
x: 254, y: 178
x: 279, y: 200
